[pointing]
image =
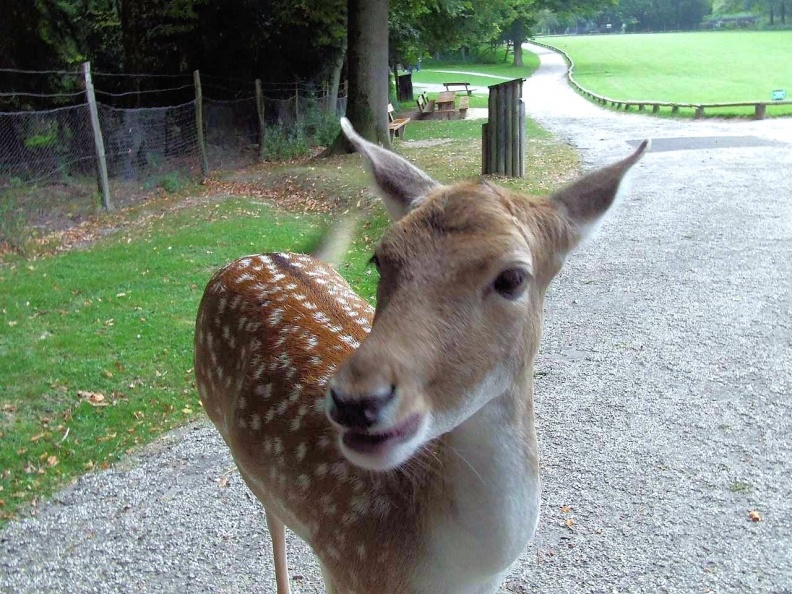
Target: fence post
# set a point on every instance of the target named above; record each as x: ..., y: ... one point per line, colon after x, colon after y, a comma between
x: 260, y: 112
x: 199, y: 123
x: 296, y: 102
x: 503, y: 139
x: 104, y: 185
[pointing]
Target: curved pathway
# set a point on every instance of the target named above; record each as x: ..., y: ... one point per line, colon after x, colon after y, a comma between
x: 663, y: 400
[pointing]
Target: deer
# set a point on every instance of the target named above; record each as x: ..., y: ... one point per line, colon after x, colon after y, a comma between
x: 399, y: 442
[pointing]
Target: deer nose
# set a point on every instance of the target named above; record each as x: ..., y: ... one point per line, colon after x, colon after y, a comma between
x: 359, y: 412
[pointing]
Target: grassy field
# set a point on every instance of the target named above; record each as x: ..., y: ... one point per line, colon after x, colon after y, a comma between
x: 96, y: 342
x: 711, y: 67
x: 436, y: 73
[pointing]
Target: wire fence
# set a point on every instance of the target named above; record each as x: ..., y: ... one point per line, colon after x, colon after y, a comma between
x: 49, y: 160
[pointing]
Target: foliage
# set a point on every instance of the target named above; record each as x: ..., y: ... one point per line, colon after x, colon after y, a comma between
x: 283, y: 142
x: 13, y: 223
x: 173, y: 182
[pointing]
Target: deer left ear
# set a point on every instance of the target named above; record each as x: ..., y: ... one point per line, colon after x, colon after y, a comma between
x: 401, y: 184
x: 586, y: 200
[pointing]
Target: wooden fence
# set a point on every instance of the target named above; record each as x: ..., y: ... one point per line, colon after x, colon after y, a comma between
x: 760, y: 107
x: 503, y: 136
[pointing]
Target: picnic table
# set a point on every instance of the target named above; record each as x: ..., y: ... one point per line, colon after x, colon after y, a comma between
x: 445, y: 101
x: 466, y: 85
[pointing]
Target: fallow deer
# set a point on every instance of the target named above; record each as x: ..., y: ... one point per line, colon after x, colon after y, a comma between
x: 399, y: 442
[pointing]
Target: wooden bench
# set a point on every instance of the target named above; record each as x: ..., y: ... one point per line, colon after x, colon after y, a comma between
x: 425, y: 106
x: 396, y: 126
x: 448, y: 86
x: 464, y: 104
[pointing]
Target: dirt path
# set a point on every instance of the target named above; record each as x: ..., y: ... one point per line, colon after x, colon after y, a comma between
x: 663, y: 401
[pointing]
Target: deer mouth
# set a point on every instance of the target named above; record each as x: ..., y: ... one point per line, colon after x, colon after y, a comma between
x: 374, y: 443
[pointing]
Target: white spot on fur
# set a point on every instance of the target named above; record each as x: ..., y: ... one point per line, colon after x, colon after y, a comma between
x: 264, y: 391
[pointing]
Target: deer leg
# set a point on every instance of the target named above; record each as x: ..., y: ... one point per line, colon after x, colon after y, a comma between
x: 277, y: 530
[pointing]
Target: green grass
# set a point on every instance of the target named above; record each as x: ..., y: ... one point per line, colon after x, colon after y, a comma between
x: 707, y: 67
x: 116, y: 318
x: 439, y: 72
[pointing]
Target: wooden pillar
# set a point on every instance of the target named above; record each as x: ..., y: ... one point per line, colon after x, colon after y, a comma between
x: 296, y: 102
x: 261, y: 122
x: 199, y: 127
x: 484, y: 147
x: 503, y: 137
x: 508, y: 125
x: 500, y: 158
x: 516, y: 143
x: 104, y: 184
x: 521, y: 170
x: 492, y: 130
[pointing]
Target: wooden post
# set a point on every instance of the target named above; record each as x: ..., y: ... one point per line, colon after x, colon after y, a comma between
x: 760, y: 110
x: 503, y: 137
x: 296, y: 102
x: 508, y: 136
x: 521, y: 170
x: 492, y: 129
x: 484, y: 147
x: 261, y: 122
x: 501, y: 130
x: 516, y: 142
x: 199, y: 123
x: 104, y: 185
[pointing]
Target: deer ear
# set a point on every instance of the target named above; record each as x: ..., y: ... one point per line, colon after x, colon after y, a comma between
x: 586, y: 200
x: 401, y: 184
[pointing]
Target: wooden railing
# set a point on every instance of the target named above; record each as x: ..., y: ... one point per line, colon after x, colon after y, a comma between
x: 760, y: 107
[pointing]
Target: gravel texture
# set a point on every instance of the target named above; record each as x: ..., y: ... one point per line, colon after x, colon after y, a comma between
x: 663, y: 402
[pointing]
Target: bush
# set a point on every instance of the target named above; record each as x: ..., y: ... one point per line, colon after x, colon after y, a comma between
x: 172, y: 182
x: 13, y: 226
x: 286, y: 141
x: 283, y: 142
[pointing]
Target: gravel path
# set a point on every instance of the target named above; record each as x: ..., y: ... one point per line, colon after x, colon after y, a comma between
x: 663, y: 401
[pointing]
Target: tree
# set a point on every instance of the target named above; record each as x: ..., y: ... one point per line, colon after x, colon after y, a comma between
x: 367, y: 72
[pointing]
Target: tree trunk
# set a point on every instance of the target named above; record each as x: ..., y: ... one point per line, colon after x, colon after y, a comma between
x: 519, y: 32
x: 335, y: 79
x: 132, y: 40
x: 518, y: 59
x: 367, y: 60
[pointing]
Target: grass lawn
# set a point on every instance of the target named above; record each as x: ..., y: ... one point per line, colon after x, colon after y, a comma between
x: 486, y: 74
x: 96, y: 342
x: 705, y: 67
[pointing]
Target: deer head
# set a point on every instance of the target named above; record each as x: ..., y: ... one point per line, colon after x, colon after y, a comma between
x: 463, y: 274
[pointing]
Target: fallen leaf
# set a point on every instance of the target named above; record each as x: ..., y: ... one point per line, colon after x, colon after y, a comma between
x: 92, y: 398
x: 569, y: 523
x: 52, y: 461
x: 566, y: 509
x: 754, y: 516
x: 223, y: 482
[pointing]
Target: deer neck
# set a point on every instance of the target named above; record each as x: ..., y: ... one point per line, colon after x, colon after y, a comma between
x: 489, y: 504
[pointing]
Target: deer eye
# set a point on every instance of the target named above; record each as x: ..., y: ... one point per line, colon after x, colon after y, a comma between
x: 511, y: 283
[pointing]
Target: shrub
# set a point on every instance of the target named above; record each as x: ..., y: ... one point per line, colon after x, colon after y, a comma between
x: 13, y: 226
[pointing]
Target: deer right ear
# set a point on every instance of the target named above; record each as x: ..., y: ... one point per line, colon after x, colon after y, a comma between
x: 401, y: 184
x: 588, y: 199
